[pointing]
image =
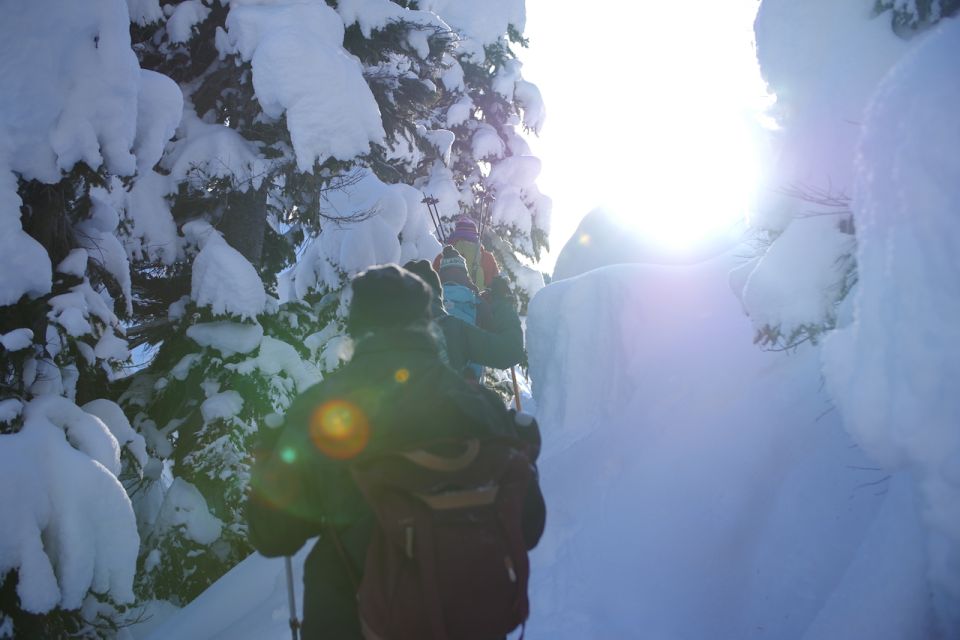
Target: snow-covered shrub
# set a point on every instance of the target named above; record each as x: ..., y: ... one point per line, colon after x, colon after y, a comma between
x: 822, y: 60
x: 909, y: 16
x: 793, y: 288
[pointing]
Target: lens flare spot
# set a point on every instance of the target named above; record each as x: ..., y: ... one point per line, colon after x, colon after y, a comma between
x: 288, y: 455
x: 402, y: 375
x: 584, y: 239
x: 339, y: 429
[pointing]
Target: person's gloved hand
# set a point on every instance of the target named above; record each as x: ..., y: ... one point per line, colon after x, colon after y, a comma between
x: 528, y: 431
x: 500, y: 289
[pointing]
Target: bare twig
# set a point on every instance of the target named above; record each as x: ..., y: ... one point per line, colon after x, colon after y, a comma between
x: 836, y: 203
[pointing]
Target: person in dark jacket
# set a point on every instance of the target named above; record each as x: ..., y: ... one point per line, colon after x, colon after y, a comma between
x: 395, y: 393
x: 500, y: 347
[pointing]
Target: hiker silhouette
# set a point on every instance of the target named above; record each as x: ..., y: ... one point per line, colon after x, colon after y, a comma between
x: 395, y: 395
x: 498, y: 344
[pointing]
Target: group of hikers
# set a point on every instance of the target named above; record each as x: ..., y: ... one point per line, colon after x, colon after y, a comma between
x: 419, y: 483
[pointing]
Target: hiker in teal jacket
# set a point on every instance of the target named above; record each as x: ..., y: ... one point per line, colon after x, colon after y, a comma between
x: 394, y: 393
x: 500, y: 345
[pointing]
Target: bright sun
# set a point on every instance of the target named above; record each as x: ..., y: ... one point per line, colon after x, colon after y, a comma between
x: 683, y: 191
x: 655, y: 124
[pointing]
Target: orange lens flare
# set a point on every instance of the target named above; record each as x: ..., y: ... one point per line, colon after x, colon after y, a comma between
x: 402, y: 375
x: 339, y: 429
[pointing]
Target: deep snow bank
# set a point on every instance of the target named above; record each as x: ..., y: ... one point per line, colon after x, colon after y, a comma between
x: 249, y: 603
x: 894, y: 370
x: 699, y: 487
x: 603, y: 239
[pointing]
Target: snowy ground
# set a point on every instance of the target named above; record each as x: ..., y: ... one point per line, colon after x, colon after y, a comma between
x: 697, y: 486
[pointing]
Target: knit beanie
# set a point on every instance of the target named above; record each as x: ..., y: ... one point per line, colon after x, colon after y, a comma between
x: 424, y: 270
x: 452, y: 259
x: 453, y: 269
x: 387, y: 297
x: 465, y: 229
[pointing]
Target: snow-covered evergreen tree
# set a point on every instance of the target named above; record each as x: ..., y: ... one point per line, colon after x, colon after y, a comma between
x: 804, y: 233
x: 491, y: 172
x: 277, y: 188
x: 78, y: 117
x: 805, y: 244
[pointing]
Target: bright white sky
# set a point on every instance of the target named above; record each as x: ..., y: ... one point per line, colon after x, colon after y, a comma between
x: 651, y: 111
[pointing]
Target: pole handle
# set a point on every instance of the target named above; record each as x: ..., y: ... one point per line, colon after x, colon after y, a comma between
x: 431, y: 203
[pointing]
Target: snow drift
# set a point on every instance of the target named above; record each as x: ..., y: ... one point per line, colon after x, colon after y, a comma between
x: 603, y: 239
x: 697, y: 486
x: 893, y: 370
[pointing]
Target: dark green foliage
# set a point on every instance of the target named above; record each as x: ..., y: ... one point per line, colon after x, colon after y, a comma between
x: 541, y: 242
x: 155, y: 287
x: 213, y: 455
x: 513, y: 35
x: 183, y: 62
x: 778, y: 338
x: 909, y: 18
x: 54, y: 624
x: 50, y: 213
x: 407, y: 89
x: 58, y: 623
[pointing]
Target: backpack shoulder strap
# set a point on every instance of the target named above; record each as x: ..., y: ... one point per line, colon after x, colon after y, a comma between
x: 435, y: 462
x: 351, y: 571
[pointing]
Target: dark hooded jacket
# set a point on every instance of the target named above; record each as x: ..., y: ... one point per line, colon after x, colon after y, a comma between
x: 500, y: 348
x: 497, y: 342
x: 395, y: 393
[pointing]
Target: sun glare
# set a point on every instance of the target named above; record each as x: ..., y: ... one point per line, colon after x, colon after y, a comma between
x: 687, y: 192
x: 656, y: 125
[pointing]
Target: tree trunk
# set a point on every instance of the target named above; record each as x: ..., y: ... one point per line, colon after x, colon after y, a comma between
x: 245, y: 222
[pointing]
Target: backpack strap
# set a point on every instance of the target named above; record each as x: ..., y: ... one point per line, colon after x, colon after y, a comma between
x: 428, y: 582
x: 460, y: 499
x: 434, y: 462
x: 347, y: 564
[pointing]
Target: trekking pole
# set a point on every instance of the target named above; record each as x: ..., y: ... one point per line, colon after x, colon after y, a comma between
x: 431, y: 203
x: 516, y: 389
x: 435, y: 213
x: 484, y: 211
x: 291, y: 599
x: 484, y: 200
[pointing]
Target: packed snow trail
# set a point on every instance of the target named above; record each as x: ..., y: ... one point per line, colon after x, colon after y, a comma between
x: 697, y: 486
